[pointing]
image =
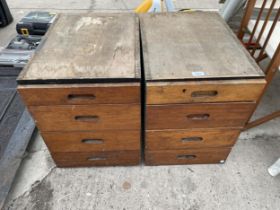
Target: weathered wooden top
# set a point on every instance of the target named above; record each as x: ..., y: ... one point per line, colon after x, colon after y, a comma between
x: 87, y: 48
x: 182, y: 46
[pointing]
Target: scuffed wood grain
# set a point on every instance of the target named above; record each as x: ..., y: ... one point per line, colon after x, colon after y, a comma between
x: 88, y: 47
x: 187, y: 156
x: 75, y: 94
x: 87, y: 117
x: 178, y: 46
x: 184, y: 92
x: 106, y: 141
x: 200, y: 115
x: 87, y: 159
x: 192, y: 138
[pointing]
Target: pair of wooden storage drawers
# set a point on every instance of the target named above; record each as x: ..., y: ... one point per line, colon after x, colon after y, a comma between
x: 199, y: 87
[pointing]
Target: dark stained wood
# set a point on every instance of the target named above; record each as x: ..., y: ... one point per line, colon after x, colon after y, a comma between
x: 14, y: 153
x: 188, y: 156
x: 79, y: 159
x: 186, y: 139
x: 204, y: 91
x: 196, y: 45
x: 80, y: 94
x: 87, y: 117
x: 92, y: 141
x: 204, y: 115
x: 90, y: 47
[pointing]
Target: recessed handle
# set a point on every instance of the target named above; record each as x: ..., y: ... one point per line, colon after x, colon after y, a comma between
x: 92, y: 141
x: 186, y: 157
x: 81, y: 97
x: 87, y: 118
x: 96, y: 158
x: 193, y: 138
x: 204, y: 93
x: 204, y: 116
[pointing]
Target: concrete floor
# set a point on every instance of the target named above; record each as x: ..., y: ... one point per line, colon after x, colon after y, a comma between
x: 241, y: 183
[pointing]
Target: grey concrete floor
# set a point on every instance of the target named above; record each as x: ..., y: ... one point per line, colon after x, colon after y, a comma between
x: 242, y: 183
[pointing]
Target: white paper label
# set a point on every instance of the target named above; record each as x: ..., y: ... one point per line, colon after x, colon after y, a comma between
x: 198, y: 73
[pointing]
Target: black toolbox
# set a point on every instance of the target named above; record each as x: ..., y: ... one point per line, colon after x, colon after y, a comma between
x: 35, y: 23
x: 5, y: 15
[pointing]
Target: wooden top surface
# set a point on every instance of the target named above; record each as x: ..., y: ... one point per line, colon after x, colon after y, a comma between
x: 87, y: 48
x: 193, y: 45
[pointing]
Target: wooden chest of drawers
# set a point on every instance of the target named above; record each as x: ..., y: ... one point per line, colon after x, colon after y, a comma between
x: 200, y: 85
x: 83, y: 90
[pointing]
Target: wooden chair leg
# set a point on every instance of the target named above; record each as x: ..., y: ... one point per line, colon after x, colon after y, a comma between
x: 271, y: 71
x: 246, y: 18
x: 259, y: 59
x: 262, y: 120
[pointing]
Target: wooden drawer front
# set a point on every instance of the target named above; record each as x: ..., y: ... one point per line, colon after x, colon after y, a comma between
x: 92, y: 141
x: 185, y: 139
x: 80, y: 94
x: 86, y: 117
x: 215, y: 91
x: 79, y: 159
x: 194, y: 156
x: 207, y: 115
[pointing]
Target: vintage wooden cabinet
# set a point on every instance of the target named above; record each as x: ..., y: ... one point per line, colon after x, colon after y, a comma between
x: 83, y: 90
x: 201, y: 86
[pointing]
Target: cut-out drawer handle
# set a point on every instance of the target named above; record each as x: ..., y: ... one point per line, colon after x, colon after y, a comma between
x: 81, y: 97
x: 198, y: 116
x: 87, y: 118
x: 96, y: 158
x: 186, y: 157
x: 92, y: 141
x: 194, y: 138
x: 206, y: 93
